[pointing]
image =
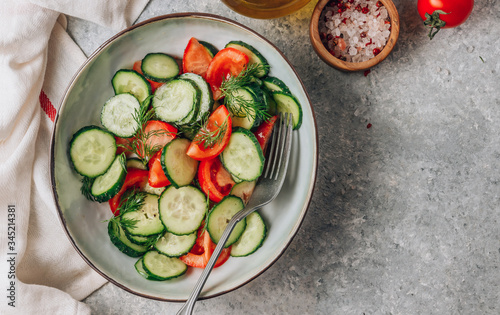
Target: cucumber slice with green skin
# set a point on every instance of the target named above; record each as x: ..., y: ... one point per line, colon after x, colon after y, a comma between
x: 271, y: 104
x: 252, y: 238
x: 120, y: 240
x: 163, y: 267
x: 206, y: 98
x: 136, y: 163
x: 254, y: 56
x: 287, y: 103
x: 109, y: 184
x: 175, y: 100
x: 92, y: 150
x: 175, y: 245
x: 147, y: 218
x: 129, y: 81
x: 239, y: 119
x: 140, y: 240
x: 179, y: 168
x: 191, y: 117
x: 243, y: 155
x: 274, y: 84
x: 219, y: 217
x: 118, y: 114
x: 139, y: 267
x: 212, y: 50
x: 244, y: 190
x: 159, y: 67
x: 182, y: 210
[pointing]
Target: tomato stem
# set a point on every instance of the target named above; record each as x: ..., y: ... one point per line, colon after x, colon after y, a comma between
x: 433, y: 21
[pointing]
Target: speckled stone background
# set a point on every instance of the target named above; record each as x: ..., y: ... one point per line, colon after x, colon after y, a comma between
x: 405, y: 214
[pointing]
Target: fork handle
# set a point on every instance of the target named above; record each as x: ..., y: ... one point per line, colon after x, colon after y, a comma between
x: 187, y: 308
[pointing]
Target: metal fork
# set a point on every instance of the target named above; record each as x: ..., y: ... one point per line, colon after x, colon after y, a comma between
x: 268, y: 187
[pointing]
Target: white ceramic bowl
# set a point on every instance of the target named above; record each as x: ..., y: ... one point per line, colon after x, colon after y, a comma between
x: 81, y: 106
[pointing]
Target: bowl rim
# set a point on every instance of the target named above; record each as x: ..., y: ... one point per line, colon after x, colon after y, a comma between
x: 96, y: 53
x: 328, y: 58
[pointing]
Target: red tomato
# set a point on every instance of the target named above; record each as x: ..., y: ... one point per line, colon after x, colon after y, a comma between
x: 135, y: 178
x: 457, y: 13
x: 200, y: 254
x: 227, y: 62
x: 196, y: 58
x: 197, y: 151
x: 154, y: 85
x: 214, y: 180
x: 264, y: 131
x: 156, y: 176
x: 161, y: 133
x: 122, y: 146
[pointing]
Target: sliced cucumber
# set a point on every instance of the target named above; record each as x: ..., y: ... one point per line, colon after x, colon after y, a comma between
x: 219, y: 217
x: 139, y: 267
x: 118, y: 115
x: 109, y: 184
x: 287, y: 103
x: 175, y: 100
x: 179, y: 168
x: 92, y: 150
x: 239, y: 117
x: 206, y: 98
x: 159, y: 67
x: 147, y: 218
x: 129, y: 81
x: 274, y: 84
x: 163, y: 267
x: 120, y: 240
x: 271, y: 104
x: 252, y: 238
x: 141, y: 240
x: 153, y: 190
x: 212, y: 50
x: 243, y: 155
x: 243, y: 190
x: 175, y: 245
x: 255, y: 57
x: 136, y: 163
x: 182, y: 210
x: 191, y: 117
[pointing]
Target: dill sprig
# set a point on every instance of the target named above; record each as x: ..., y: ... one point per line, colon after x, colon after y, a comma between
x: 86, y: 188
x: 131, y: 201
x: 238, y: 105
x: 140, y: 144
x: 209, y: 138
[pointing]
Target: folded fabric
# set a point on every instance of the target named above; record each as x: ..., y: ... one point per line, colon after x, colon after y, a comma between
x: 40, y: 270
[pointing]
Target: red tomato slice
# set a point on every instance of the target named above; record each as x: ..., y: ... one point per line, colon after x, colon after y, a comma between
x: 156, y: 176
x: 214, y: 180
x: 197, y: 151
x: 264, y: 131
x: 196, y: 58
x: 199, y: 256
x: 161, y: 133
x: 135, y: 178
x: 227, y: 62
x: 154, y: 85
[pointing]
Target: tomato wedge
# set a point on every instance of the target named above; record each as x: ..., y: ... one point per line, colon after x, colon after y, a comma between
x: 264, y: 131
x: 160, y: 133
x: 122, y: 145
x: 154, y: 85
x: 156, y: 176
x: 201, y: 252
x: 196, y: 58
x: 135, y: 178
x: 227, y: 62
x: 214, y: 180
x: 197, y: 151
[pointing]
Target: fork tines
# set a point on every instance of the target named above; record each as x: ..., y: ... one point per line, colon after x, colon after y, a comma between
x: 279, y: 148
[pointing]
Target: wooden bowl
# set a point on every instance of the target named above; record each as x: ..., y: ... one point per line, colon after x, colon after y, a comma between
x: 325, y: 55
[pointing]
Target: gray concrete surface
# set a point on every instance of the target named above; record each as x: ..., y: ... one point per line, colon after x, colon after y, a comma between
x: 405, y: 215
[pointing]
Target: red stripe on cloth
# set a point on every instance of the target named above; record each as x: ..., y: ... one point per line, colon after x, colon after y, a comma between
x: 47, y: 106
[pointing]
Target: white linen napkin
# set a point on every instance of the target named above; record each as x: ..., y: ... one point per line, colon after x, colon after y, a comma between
x: 40, y: 272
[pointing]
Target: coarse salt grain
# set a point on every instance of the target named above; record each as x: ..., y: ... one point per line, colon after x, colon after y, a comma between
x: 343, y: 23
